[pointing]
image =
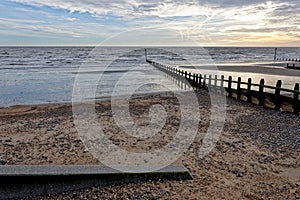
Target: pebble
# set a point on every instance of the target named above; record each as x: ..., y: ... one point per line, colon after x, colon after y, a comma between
x: 238, y: 173
x: 40, y: 126
x: 85, y: 150
x: 8, y: 145
x: 18, y: 148
x: 2, y: 162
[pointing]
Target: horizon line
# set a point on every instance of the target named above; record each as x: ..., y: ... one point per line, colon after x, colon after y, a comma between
x: 258, y: 46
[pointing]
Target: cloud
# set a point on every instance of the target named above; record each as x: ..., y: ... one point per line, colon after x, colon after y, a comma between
x: 221, y: 21
x: 160, y: 8
x: 71, y: 19
x: 35, y: 26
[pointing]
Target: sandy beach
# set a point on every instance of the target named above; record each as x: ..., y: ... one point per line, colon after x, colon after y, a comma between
x: 197, y: 100
x: 257, y: 156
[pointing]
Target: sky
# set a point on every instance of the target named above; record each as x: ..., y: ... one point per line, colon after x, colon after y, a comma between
x: 150, y: 22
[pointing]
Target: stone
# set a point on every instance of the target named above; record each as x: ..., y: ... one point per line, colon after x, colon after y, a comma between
x: 2, y: 162
x: 86, y: 150
x: 40, y: 126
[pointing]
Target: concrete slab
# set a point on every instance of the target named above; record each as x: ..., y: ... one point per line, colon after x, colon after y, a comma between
x: 67, y: 170
x: 26, y: 180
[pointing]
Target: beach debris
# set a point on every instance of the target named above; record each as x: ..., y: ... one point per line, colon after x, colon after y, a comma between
x: 2, y: 162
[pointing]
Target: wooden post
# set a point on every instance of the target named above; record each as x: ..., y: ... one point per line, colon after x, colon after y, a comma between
x: 200, y: 84
x: 249, y: 92
x: 180, y: 81
x: 190, y: 77
x: 229, y: 86
x: 222, y: 84
x: 222, y: 81
x: 209, y: 82
x: 239, y: 92
x: 216, y: 83
x: 185, y: 74
x: 296, y: 99
x: 261, y: 92
x: 204, y: 81
x: 146, y: 55
x: 197, y: 81
x: 277, y: 95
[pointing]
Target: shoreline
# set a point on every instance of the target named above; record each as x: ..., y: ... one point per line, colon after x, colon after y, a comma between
x: 69, y: 103
x: 271, y: 73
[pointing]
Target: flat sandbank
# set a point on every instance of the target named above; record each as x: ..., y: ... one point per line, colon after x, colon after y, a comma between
x: 270, y: 68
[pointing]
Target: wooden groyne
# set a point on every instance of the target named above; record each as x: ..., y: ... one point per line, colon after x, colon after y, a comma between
x: 276, y: 100
x: 292, y: 63
x: 293, y: 66
x: 289, y: 59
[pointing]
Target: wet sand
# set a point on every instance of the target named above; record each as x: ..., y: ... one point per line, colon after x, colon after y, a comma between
x: 257, y: 156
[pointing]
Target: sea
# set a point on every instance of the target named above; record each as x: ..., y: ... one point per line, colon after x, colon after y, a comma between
x: 39, y: 75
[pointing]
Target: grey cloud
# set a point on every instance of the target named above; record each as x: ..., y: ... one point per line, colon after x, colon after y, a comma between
x: 286, y: 13
x: 265, y: 30
x: 232, y: 3
x: 293, y: 34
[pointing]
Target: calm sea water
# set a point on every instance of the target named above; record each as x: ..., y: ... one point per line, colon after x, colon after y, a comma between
x: 34, y: 75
